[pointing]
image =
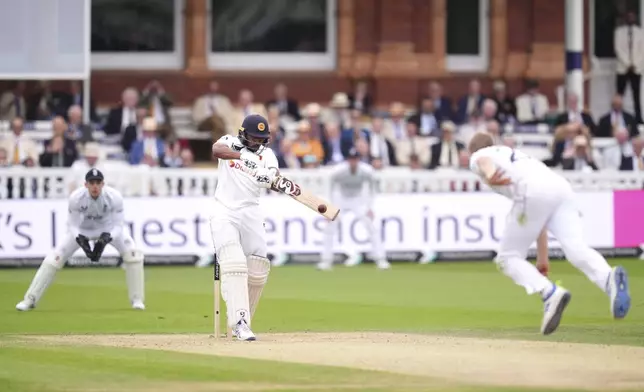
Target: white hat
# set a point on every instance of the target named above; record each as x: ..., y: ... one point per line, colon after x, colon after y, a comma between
x: 149, y: 124
x: 340, y: 100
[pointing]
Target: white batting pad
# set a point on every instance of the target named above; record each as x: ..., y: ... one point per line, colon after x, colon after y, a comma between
x: 258, y: 270
x: 44, y: 277
x: 134, y: 275
x: 234, y: 282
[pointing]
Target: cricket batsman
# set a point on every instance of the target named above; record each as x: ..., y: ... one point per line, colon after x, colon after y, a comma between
x: 348, y: 182
x: 95, y: 214
x: 542, y: 201
x: 246, y: 168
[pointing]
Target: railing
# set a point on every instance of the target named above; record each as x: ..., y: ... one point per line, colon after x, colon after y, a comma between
x: 138, y: 181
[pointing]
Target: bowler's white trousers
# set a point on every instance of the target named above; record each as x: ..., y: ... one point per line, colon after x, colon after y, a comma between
x: 550, y: 204
x: 360, y: 209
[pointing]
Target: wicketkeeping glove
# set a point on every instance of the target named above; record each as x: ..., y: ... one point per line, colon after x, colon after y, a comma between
x: 100, y: 245
x: 83, y: 242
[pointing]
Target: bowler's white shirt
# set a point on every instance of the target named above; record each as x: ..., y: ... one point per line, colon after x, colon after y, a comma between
x: 351, y: 185
x: 94, y: 216
x: 235, y: 187
x: 525, y: 173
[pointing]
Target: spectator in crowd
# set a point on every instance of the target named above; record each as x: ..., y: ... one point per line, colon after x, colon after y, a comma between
x: 356, y: 125
x: 638, y: 154
x: 616, y: 118
x: 360, y: 99
x: 305, y: 145
x: 75, y: 98
x: 187, y: 158
x: 574, y: 113
x: 210, y: 111
x: 620, y: 155
x: 581, y: 158
x: 532, y: 106
x: 412, y: 145
x: 90, y: 160
x: 245, y: 106
x: 21, y: 149
x: 464, y: 160
x: 172, y: 154
x: 44, y: 104
x: 12, y: 103
x: 337, y: 146
x: 442, y: 104
x: 313, y: 116
x: 470, y: 102
x: 60, y: 150
x: 338, y: 111
x: 286, y: 105
x: 379, y: 148
x: 506, y: 110
x: 489, y: 110
x: 563, y: 145
x: 4, y: 158
x: 150, y: 149
x: 494, y: 129
x: 444, y: 153
x: 123, y: 115
x: 427, y: 120
x: 81, y: 133
x: 475, y: 124
x: 629, y: 50
x: 134, y: 132
x: 158, y: 103
x: 278, y: 135
x: 362, y: 148
x: 395, y: 128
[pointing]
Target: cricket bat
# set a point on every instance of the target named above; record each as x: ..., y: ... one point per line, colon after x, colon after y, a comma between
x: 284, y: 185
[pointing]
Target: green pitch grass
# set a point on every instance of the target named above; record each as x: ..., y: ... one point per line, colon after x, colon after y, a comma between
x: 466, y: 299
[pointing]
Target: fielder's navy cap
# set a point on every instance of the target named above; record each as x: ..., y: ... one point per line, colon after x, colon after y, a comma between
x: 255, y: 125
x: 94, y: 175
x: 353, y: 153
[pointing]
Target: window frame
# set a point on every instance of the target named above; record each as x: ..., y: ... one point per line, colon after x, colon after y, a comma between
x: 147, y: 60
x: 265, y: 61
x: 473, y: 63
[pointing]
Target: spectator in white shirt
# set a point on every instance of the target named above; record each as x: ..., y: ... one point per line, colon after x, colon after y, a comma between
x: 21, y: 149
x: 629, y: 50
x: 532, y: 106
x: 619, y: 156
x: 210, y: 111
x: 395, y: 128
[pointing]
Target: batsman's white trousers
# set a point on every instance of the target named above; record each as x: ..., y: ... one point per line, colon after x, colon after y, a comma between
x: 244, y: 226
x: 360, y: 210
x: 551, y: 205
x: 122, y: 243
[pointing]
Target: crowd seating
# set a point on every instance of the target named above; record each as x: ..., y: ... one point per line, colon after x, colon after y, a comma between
x: 143, y: 181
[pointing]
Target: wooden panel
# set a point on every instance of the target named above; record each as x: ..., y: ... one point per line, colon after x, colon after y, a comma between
x: 396, y: 20
x: 195, y: 37
x: 549, y: 19
x: 498, y: 38
x: 422, y: 26
x: 519, y: 25
x: 366, y: 29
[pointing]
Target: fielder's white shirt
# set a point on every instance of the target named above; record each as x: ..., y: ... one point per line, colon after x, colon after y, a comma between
x: 103, y: 214
x: 523, y: 171
x: 235, y: 187
x: 360, y: 184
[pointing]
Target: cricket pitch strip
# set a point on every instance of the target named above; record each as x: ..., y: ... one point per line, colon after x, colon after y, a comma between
x: 454, y: 360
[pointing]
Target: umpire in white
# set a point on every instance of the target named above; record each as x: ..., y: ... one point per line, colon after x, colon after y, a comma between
x: 95, y: 214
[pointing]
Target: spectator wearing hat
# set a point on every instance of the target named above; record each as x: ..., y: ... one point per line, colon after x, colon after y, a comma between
x: 305, y: 145
x: 470, y: 102
x: 413, y: 145
x: 445, y: 153
x: 339, y: 111
x: 581, y: 158
x: 506, y: 110
x: 313, y: 114
x: 532, y: 106
x: 150, y: 149
x: 60, y: 150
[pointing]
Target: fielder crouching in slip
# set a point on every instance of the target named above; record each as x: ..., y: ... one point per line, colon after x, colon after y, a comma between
x: 95, y: 213
x: 246, y: 166
x: 349, y: 179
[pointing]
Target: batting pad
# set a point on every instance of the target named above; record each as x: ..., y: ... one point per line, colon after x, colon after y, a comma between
x: 258, y: 270
x: 134, y: 275
x: 44, y: 277
x: 234, y: 282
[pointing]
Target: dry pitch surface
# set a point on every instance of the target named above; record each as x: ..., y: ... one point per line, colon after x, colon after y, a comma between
x: 450, y: 359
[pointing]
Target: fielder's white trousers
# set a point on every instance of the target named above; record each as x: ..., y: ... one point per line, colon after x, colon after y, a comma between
x: 360, y: 210
x: 552, y: 206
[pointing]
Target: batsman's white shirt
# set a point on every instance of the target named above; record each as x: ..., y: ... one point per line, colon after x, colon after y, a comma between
x: 236, y: 188
x: 353, y: 190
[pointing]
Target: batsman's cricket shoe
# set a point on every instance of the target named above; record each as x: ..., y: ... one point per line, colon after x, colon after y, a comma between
x: 242, y: 331
x: 138, y: 305
x: 620, y: 298
x: 25, y: 305
x: 554, y: 304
